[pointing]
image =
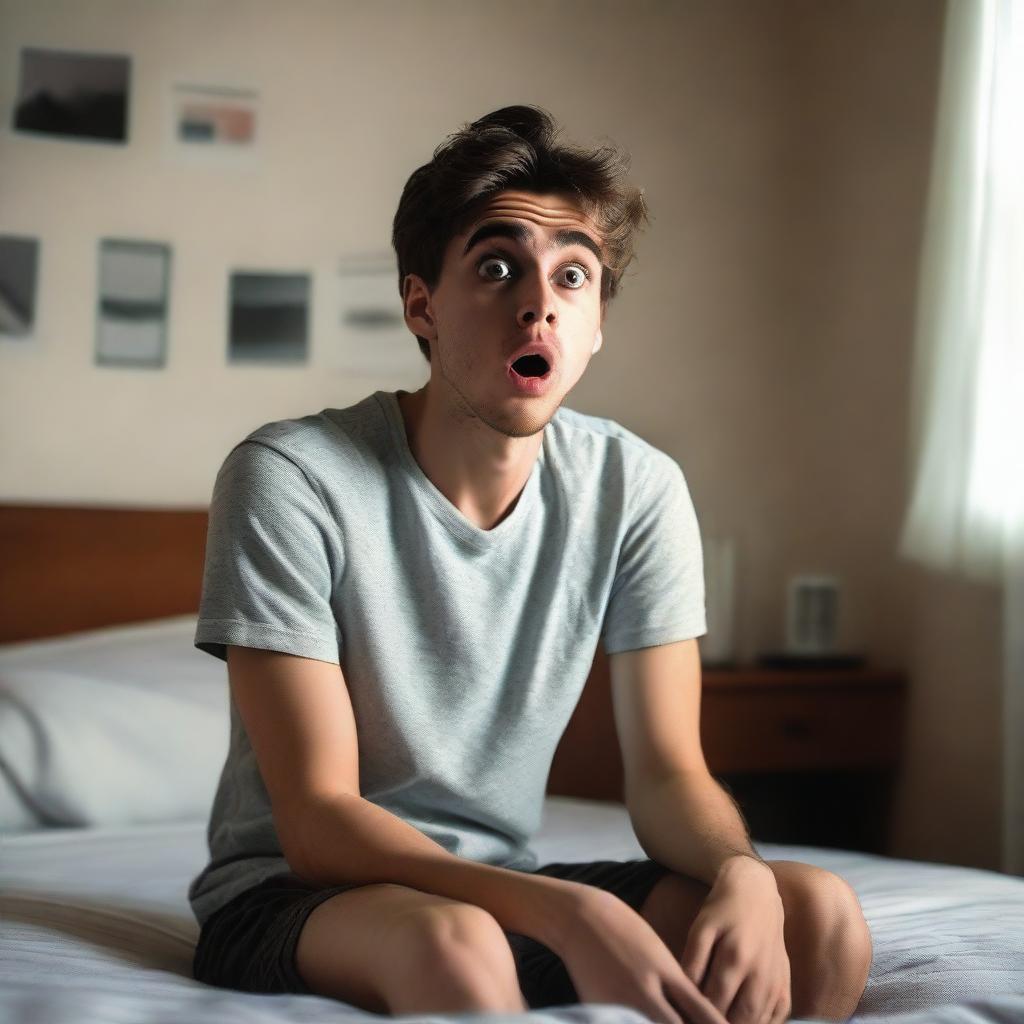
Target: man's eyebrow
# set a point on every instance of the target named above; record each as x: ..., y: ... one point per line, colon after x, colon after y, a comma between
x: 567, y: 236
x: 519, y: 233
x: 497, y: 229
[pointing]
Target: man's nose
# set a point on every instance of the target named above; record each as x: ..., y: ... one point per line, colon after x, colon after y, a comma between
x: 537, y: 304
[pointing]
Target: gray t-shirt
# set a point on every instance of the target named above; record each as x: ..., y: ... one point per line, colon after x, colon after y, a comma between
x: 464, y: 650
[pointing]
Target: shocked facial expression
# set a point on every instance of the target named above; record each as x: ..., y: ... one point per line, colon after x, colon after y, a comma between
x: 516, y: 313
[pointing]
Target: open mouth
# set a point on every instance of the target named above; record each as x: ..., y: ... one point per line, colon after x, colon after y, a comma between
x: 531, y: 366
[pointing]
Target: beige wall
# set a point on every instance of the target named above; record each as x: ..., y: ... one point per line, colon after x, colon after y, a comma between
x: 763, y: 338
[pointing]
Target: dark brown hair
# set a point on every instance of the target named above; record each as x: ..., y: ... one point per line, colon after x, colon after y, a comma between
x: 513, y: 148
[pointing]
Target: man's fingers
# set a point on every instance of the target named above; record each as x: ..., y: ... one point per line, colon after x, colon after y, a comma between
x: 721, y: 983
x: 663, y: 1010
x: 697, y: 952
x: 754, y: 1003
x: 768, y: 1017
x: 777, y: 1012
x: 783, y: 1009
x: 692, y: 1004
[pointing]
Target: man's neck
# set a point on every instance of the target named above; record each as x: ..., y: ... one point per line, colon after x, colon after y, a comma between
x: 479, y: 470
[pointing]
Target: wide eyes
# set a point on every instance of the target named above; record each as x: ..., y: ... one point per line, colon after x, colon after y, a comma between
x: 494, y: 268
x: 573, y: 275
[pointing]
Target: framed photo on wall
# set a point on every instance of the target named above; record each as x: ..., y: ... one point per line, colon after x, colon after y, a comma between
x: 372, y: 339
x: 268, y: 317
x: 19, y: 262
x: 68, y: 94
x: 212, y: 124
x: 134, y: 282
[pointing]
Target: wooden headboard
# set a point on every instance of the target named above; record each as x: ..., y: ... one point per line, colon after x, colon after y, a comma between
x: 66, y: 568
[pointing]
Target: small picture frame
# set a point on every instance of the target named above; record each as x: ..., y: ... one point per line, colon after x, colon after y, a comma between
x: 134, y: 280
x: 19, y: 263
x: 212, y: 124
x: 73, y: 95
x: 268, y: 317
x: 372, y: 338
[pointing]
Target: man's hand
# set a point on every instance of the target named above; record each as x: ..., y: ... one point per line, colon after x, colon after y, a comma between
x: 735, y: 950
x: 614, y: 956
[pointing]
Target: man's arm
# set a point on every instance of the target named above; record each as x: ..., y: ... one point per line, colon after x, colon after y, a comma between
x: 685, y: 821
x: 299, y: 719
x: 682, y: 817
x: 298, y: 716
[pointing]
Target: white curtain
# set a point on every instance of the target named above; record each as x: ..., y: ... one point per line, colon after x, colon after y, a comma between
x: 966, y: 512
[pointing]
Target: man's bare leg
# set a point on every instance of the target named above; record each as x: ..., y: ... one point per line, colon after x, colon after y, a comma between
x: 392, y: 949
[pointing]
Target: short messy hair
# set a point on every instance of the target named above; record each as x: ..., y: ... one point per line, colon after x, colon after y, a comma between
x: 513, y: 148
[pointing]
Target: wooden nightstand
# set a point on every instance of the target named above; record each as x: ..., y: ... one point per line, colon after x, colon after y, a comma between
x: 809, y: 756
x: 767, y: 720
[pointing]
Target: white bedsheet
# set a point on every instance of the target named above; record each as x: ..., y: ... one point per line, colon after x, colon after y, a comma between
x: 96, y: 927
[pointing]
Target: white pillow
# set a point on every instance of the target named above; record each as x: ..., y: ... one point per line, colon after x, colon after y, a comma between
x: 114, y: 727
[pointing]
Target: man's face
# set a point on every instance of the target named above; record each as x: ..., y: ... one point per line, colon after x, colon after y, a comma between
x: 523, y: 280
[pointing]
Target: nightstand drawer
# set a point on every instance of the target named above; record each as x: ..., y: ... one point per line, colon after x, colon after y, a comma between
x: 801, y: 728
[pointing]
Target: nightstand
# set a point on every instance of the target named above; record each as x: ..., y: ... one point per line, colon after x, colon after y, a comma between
x: 808, y: 755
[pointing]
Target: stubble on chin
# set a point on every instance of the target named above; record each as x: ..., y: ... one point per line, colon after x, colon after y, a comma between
x: 524, y: 424
x: 509, y: 424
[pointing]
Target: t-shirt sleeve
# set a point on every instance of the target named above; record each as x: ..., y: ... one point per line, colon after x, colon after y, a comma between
x: 657, y: 595
x: 270, y: 563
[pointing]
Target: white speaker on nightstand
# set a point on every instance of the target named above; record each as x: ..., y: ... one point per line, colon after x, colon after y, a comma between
x: 812, y: 615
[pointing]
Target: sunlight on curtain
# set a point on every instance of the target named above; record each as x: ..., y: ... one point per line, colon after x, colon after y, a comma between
x: 966, y: 512
x: 968, y: 402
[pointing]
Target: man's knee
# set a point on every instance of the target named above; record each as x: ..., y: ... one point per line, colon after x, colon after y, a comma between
x: 462, y: 948
x: 392, y: 949
x: 827, y: 938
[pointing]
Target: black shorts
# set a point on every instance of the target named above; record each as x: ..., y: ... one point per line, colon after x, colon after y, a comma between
x: 249, y: 943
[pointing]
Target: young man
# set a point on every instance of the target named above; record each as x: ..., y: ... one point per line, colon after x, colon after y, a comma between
x: 409, y: 592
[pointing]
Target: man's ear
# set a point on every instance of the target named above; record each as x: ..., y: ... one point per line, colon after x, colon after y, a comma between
x: 419, y: 315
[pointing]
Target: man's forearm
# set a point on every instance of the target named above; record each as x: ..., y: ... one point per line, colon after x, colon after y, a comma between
x: 689, y: 824
x: 350, y: 839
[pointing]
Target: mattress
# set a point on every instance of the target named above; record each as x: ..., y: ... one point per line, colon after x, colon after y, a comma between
x: 110, y: 746
x: 95, y: 926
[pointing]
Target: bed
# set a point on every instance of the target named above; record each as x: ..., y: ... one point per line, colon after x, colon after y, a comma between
x: 113, y: 729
